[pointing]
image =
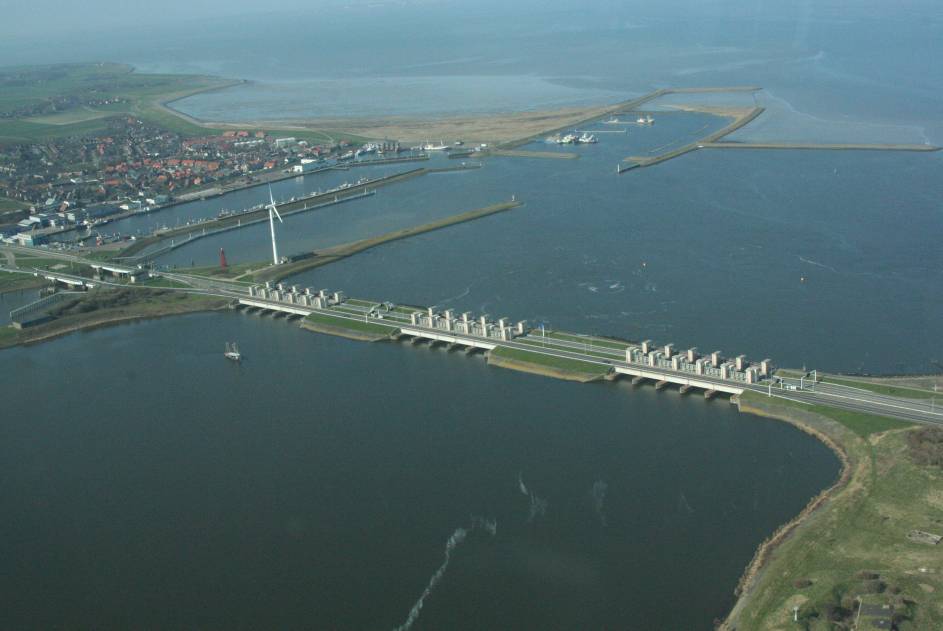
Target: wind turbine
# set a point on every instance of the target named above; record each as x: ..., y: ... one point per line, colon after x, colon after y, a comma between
x: 271, y: 223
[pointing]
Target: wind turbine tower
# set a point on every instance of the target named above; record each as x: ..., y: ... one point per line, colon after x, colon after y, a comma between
x: 271, y: 222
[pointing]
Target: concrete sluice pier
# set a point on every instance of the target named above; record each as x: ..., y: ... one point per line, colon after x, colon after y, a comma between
x: 513, y: 344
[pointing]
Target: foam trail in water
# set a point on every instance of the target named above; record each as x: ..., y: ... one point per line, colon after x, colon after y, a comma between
x: 457, y: 537
x: 817, y: 264
x: 538, y: 506
x: 599, y: 499
x: 491, y: 525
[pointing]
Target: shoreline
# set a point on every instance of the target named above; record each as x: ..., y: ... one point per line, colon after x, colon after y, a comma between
x: 817, y: 505
x: 816, y: 566
x: 471, y: 127
x: 49, y: 331
x: 755, y: 584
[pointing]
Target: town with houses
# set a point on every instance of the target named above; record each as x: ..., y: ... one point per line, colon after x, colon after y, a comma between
x: 137, y: 167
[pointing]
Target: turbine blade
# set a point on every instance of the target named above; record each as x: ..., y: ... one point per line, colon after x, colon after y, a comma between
x: 272, y: 202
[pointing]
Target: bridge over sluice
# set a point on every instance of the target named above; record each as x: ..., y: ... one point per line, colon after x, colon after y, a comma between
x: 642, y: 361
x: 75, y: 282
x: 38, y: 310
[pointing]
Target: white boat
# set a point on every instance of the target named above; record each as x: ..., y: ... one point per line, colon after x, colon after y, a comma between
x: 645, y: 120
x: 587, y: 139
x: 569, y: 139
x: 232, y: 352
x: 432, y: 147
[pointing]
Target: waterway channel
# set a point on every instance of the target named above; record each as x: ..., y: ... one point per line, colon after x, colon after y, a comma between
x: 322, y: 479
x: 316, y: 485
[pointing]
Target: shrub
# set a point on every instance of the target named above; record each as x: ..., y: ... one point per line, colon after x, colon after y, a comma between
x: 926, y: 446
x: 875, y: 586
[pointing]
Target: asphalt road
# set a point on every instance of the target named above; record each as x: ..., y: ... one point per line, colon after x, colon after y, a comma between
x: 845, y: 397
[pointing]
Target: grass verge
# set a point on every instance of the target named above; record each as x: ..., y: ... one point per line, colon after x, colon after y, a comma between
x: 354, y: 329
x: 880, y: 388
x: 851, y: 542
x: 102, y: 307
x: 547, y: 365
x: 10, y: 281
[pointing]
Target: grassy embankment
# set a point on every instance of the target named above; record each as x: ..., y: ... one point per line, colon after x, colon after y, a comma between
x: 10, y: 281
x: 851, y: 541
x: 101, y: 307
x: 7, y: 204
x: 546, y: 365
x: 144, y: 96
x: 353, y: 329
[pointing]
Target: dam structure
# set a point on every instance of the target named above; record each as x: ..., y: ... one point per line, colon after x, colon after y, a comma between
x: 608, y: 357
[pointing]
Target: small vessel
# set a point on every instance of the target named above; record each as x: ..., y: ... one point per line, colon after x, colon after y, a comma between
x: 645, y: 120
x: 232, y: 352
x: 439, y: 147
x: 569, y: 139
x: 587, y: 139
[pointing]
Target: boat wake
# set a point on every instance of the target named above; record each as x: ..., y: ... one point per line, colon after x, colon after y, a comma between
x: 817, y: 264
x: 538, y: 506
x: 458, y: 297
x: 457, y: 537
x: 599, y: 499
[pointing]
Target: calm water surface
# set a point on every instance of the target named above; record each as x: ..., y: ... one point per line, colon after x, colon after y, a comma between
x: 316, y: 485
x: 149, y: 483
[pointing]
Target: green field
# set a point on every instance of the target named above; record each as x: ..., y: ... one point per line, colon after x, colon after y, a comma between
x: 230, y: 272
x: 103, y: 306
x: 861, y: 424
x: 77, y: 115
x: 880, y: 388
x: 369, y: 328
x: 537, y: 343
x: 45, y: 263
x: 855, y: 545
x: 11, y: 204
x: 586, y: 339
x: 563, y: 364
x: 159, y: 281
x: 10, y: 281
x: 143, y: 96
